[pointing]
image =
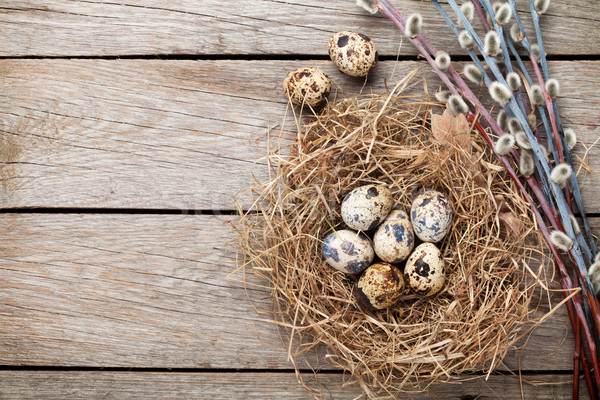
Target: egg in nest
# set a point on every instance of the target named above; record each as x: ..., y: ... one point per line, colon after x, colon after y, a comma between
x: 431, y: 216
x: 354, y: 54
x: 366, y: 206
x: 394, y: 238
x: 348, y: 251
x: 379, y: 287
x: 424, y: 270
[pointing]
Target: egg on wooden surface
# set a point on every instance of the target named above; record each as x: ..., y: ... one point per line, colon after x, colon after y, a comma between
x: 394, y: 239
x: 348, y: 251
x: 354, y: 54
x: 379, y: 287
x: 431, y: 216
x: 366, y: 206
x: 424, y: 270
x: 309, y: 86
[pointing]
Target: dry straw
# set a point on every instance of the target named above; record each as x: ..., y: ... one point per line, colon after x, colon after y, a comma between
x: 488, y: 301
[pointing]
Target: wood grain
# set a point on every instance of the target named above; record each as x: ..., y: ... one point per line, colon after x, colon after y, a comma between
x: 145, y: 385
x: 155, y: 291
x: 180, y: 134
x: 260, y: 27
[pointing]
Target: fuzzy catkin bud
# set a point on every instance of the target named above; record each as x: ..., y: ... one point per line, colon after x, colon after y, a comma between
x: 442, y: 60
x: 560, y: 174
x: 443, y: 95
x: 468, y: 10
x: 502, y: 120
x: 522, y: 140
x: 491, y: 43
x: 503, y: 14
x: 414, y: 24
x: 515, y: 33
x: 541, y: 6
x: 466, y: 40
x: 457, y: 105
x: 473, y: 73
x: 535, y: 50
x: 571, y: 137
x: 500, y: 93
x: 514, y: 125
x: 532, y: 120
x: 594, y: 274
x: 536, y: 95
x: 561, y: 241
x: 504, y: 144
x: 553, y: 88
x: 369, y: 5
x: 575, y: 223
x: 513, y: 80
x: 526, y: 166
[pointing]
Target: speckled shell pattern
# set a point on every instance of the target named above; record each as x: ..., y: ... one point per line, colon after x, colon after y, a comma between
x: 380, y: 286
x: 354, y: 54
x: 431, y: 215
x: 366, y: 206
x: 309, y: 86
x: 348, y: 251
x: 394, y: 239
x: 424, y: 271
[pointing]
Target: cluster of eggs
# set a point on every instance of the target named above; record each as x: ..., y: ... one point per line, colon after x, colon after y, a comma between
x: 369, y: 209
x: 353, y: 53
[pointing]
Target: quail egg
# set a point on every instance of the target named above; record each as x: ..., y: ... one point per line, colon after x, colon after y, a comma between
x: 348, y: 251
x: 366, y: 206
x: 394, y: 238
x: 424, y: 270
x: 431, y: 215
x: 354, y: 54
x: 379, y: 287
x: 309, y: 86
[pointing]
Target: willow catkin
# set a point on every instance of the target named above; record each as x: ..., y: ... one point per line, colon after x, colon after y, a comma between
x: 473, y: 73
x: 500, y: 93
x: 561, y: 241
x: 414, y: 24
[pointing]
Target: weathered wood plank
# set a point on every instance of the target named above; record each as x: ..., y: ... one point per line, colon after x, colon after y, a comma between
x: 98, y: 27
x: 109, y: 290
x: 150, y: 385
x: 178, y: 134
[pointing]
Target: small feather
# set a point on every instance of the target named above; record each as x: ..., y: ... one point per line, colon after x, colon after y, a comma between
x: 457, y: 105
x: 571, y: 137
x: 541, y: 6
x: 502, y: 120
x: 514, y: 125
x: 369, y: 5
x: 535, y: 50
x: 503, y: 14
x: 504, y: 144
x: 491, y: 43
x: 536, y: 95
x: 522, y: 140
x: 515, y: 33
x: 527, y: 166
x: 514, y: 81
x: 553, y: 88
x: 575, y: 224
x: 466, y: 40
x: 532, y: 120
x: 473, y: 73
x: 500, y: 93
x: 443, y: 95
x: 468, y: 10
x: 561, y: 241
x: 414, y: 24
x: 560, y: 174
x: 442, y: 60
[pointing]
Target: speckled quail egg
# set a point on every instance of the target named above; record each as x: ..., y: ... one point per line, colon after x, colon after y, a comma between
x: 309, y: 86
x: 354, y: 54
x: 348, y: 251
x: 394, y: 239
x: 379, y: 287
x: 431, y: 215
x: 424, y: 270
x: 366, y: 206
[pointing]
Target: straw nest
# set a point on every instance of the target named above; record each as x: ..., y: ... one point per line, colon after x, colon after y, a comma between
x: 390, y: 139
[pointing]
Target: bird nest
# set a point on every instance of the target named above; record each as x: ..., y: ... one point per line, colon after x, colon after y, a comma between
x: 493, y: 251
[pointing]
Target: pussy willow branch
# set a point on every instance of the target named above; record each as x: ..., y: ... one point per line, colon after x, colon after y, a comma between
x: 387, y: 9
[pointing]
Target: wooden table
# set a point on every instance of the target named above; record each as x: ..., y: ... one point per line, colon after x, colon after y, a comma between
x: 126, y: 129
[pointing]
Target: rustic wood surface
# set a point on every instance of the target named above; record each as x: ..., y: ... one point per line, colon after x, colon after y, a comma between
x: 117, y: 114
x: 182, y: 134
